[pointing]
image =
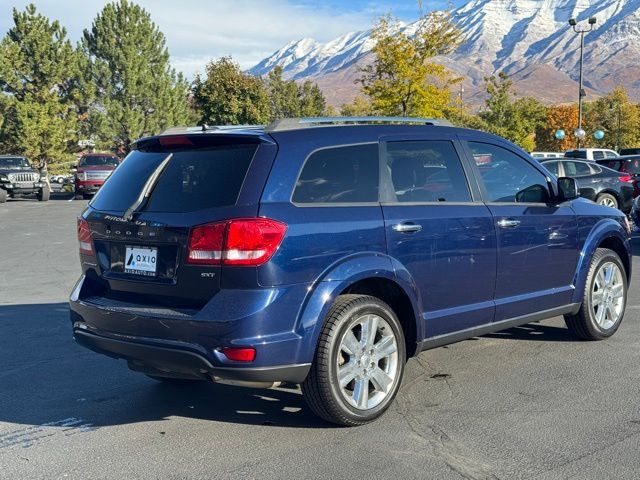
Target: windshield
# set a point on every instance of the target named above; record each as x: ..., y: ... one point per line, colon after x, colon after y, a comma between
x: 97, y: 161
x: 194, y: 179
x: 13, y: 162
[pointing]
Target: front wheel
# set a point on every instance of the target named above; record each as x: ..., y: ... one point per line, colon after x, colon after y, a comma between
x: 359, y: 362
x: 604, y: 299
x: 44, y: 194
x: 3, y: 195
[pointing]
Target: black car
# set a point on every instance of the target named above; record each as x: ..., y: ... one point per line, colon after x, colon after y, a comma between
x: 596, y: 182
x: 19, y: 179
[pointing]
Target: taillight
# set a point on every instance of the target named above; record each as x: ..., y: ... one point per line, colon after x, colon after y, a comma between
x: 206, y: 243
x: 84, y: 237
x: 246, y: 241
x: 240, y: 354
x: 626, y: 178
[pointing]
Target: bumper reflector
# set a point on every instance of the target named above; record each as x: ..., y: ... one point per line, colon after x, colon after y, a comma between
x: 239, y: 354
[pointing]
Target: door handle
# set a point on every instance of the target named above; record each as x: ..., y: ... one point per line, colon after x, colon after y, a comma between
x: 407, y: 228
x: 508, y: 223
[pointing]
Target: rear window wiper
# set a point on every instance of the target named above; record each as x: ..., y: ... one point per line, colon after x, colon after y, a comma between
x: 147, y: 189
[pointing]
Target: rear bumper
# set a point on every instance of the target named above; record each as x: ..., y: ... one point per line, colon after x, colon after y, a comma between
x: 178, y: 342
x: 165, y: 358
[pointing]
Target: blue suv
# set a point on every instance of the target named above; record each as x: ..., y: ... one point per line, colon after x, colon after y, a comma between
x: 326, y: 252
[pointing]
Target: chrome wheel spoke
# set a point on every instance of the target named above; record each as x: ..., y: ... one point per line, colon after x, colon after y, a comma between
x: 346, y: 373
x: 350, y: 343
x: 369, y: 329
x: 608, y: 274
x: 617, y: 291
x: 361, y: 393
x: 385, y: 347
x: 600, y: 314
x: 381, y: 381
x: 597, y: 298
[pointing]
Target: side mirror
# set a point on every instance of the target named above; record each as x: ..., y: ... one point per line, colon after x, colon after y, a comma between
x: 568, y: 188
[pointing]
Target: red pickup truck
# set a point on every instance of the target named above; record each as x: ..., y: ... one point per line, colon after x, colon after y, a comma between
x: 93, y: 169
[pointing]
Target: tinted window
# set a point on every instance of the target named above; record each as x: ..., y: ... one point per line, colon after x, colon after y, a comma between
x: 508, y: 177
x: 552, y: 167
x: 576, y: 154
x: 610, y: 154
x: 192, y: 180
x: 426, y: 171
x: 630, y: 151
x: 97, y: 161
x: 13, y: 162
x: 576, y: 169
x: 613, y: 164
x: 597, y: 155
x: 632, y: 166
x: 339, y: 175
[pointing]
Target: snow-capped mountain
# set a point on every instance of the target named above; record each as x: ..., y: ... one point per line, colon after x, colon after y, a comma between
x: 527, y: 39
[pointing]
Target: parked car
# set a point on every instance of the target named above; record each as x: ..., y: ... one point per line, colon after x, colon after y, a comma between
x: 629, y: 166
x: 596, y: 182
x: 92, y: 171
x: 539, y: 155
x: 591, y: 153
x: 327, y: 254
x: 19, y: 179
x: 630, y: 151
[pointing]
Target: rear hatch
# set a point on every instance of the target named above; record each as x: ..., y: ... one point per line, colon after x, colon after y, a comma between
x: 141, y: 241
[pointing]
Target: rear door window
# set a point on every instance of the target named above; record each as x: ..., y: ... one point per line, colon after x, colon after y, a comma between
x: 426, y: 171
x: 346, y: 174
x: 576, y: 169
x: 194, y: 179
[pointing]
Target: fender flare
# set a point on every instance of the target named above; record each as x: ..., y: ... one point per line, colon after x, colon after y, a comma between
x: 605, y: 228
x: 335, y: 280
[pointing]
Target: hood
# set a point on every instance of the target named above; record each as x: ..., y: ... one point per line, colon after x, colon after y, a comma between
x: 5, y: 171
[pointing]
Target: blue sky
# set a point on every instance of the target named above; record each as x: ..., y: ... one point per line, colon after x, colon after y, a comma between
x: 248, y: 30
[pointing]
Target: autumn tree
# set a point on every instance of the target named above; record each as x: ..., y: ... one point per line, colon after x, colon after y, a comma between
x: 137, y: 92
x: 403, y: 79
x: 359, y: 107
x: 38, y: 88
x: 558, y: 117
x: 229, y: 96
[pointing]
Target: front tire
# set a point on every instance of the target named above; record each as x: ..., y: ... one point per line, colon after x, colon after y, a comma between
x: 604, y: 299
x: 359, y: 362
x: 3, y: 195
x: 44, y: 194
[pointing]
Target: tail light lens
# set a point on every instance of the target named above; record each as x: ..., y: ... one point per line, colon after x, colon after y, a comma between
x: 240, y: 354
x: 84, y: 237
x: 247, y: 241
x: 626, y: 178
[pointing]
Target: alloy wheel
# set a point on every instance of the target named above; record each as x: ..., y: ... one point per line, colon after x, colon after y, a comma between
x: 607, y: 295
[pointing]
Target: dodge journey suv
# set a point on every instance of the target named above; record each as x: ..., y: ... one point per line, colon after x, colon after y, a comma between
x: 327, y: 254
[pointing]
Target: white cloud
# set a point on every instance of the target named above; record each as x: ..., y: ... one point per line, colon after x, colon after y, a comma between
x: 198, y: 31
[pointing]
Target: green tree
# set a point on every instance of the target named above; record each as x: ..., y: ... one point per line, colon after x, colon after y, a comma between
x: 290, y: 99
x: 229, y: 96
x: 359, y: 107
x: 515, y: 120
x: 617, y: 117
x: 403, y: 79
x: 137, y: 92
x: 38, y: 85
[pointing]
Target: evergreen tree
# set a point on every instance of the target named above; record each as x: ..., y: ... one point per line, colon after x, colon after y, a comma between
x: 39, y: 75
x: 229, y: 96
x: 287, y: 99
x: 312, y: 101
x: 403, y: 79
x: 137, y: 93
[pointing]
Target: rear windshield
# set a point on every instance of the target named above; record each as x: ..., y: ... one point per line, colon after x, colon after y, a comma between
x: 97, y: 161
x: 13, y: 162
x: 576, y: 154
x: 192, y: 180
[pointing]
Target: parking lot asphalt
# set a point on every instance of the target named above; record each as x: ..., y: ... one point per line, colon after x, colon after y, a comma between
x: 530, y: 402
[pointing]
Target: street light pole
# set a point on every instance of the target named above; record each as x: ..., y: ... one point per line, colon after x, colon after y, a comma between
x: 581, y: 93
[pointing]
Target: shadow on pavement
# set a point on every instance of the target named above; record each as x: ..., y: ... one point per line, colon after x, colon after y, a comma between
x: 46, y: 377
x: 536, y: 332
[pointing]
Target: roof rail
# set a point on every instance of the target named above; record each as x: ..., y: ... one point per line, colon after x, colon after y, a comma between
x: 208, y: 128
x: 295, y: 123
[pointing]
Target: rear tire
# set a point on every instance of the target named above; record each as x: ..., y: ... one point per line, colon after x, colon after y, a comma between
x: 607, y: 200
x: 3, y: 195
x: 604, y: 299
x: 358, y: 364
x: 78, y: 196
